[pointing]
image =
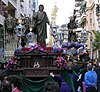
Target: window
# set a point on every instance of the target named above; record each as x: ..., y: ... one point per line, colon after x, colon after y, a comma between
x: 90, y: 18
x: 29, y: 3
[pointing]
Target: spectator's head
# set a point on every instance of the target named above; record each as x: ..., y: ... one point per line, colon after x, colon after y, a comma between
x: 15, y: 82
x: 51, y: 87
x: 89, y: 66
x: 6, y: 86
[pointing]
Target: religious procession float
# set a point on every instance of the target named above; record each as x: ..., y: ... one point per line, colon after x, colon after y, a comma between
x: 37, y: 61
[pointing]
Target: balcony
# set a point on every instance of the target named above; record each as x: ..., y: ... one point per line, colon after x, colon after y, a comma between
x: 5, y: 2
x: 13, y: 2
x: 98, y: 9
x: 98, y: 14
x: 21, y: 4
x: 98, y: 19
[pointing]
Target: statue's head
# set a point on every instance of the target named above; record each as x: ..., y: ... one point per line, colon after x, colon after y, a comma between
x: 41, y: 7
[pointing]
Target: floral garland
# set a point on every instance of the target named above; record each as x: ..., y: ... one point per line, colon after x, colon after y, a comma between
x: 11, y: 64
x: 61, y: 63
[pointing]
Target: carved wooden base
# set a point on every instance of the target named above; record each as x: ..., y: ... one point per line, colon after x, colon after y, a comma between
x: 34, y: 72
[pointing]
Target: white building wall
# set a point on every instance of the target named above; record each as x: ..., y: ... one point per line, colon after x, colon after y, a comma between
x: 17, y: 12
x: 36, y: 4
x: 28, y: 8
x: 95, y: 17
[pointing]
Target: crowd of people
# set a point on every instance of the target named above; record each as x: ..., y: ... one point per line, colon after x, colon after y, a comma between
x: 84, y: 78
x: 10, y: 84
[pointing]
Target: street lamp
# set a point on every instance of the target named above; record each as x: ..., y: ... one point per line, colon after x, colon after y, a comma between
x: 54, y: 31
x: 20, y: 30
x: 31, y: 37
x: 60, y: 37
x: 84, y: 35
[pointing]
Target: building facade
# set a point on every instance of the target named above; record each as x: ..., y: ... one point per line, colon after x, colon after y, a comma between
x: 10, y: 10
x: 89, y: 20
x: 93, y: 21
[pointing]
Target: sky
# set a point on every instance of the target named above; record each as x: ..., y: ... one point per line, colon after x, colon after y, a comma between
x: 65, y: 9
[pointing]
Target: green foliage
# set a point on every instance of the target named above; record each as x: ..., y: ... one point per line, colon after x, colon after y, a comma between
x: 96, y: 42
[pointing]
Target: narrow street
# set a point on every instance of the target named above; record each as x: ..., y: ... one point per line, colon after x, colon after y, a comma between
x: 49, y: 46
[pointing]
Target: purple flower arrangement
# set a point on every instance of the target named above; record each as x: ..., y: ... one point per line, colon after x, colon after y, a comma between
x: 11, y: 64
x: 60, y: 62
